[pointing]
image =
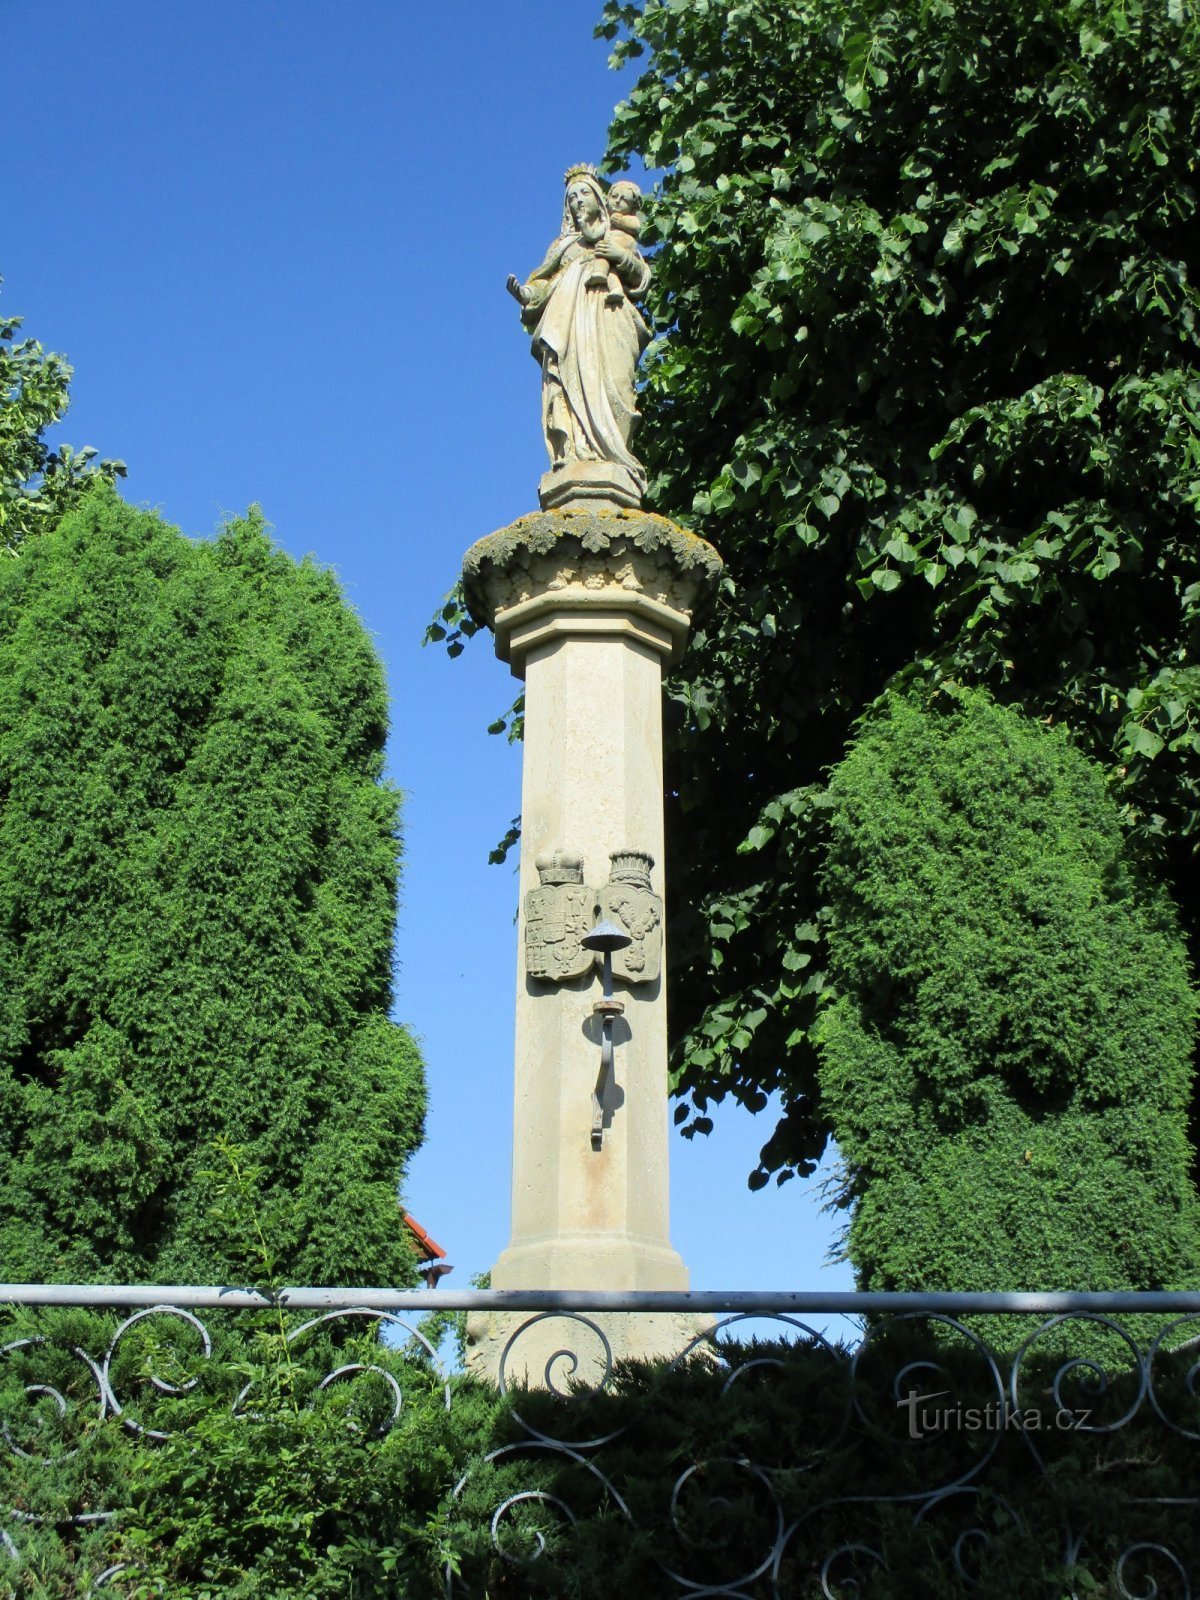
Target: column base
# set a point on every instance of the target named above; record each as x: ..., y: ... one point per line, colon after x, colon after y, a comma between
x: 566, y: 1351
x: 589, y: 1261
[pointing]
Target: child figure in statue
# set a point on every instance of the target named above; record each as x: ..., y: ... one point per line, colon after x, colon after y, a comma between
x: 624, y: 203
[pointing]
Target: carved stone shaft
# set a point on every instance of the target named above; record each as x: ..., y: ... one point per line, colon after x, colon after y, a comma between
x: 589, y: 607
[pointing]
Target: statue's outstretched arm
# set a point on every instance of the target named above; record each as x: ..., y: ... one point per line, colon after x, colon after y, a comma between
x: 551, y: 263
x: 533, y: 291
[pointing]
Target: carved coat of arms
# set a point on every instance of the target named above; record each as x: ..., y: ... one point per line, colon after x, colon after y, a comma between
x: 628, y: 900
x: 557, y: 915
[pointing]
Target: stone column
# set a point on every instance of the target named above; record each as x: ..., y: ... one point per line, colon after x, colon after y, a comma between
x: 589, y: 606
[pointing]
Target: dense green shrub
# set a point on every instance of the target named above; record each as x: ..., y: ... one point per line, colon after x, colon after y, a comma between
x: 198, y: 870
x: 1006, y: 1056
x: 255, y: 1481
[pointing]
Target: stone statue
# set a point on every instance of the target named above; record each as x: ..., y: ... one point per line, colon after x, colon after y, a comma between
x: 587, y: 335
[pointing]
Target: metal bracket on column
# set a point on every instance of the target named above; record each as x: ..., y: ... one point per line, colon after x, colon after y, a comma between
x: 605, y: 937
x: 606, y: 1010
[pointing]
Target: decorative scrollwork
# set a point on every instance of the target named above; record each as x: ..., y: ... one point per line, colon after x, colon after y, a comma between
x: 1148, y: 1555
x: 1098, y: 1392
x: 835, y: 1588
x: 142, y: 1366
x: 43, y: 1420
x: 145, y: 1359
x: 103, y: 1579
x: 526, y: 1496
x: 518, y: 1533
x: 969, y: 1536
x: 1182, y: 1359
x: 545, y: 1363
x: 1109, y: 1346
x: 708, y: 1511
x: 382, y: 1319
x: 535, y: 1357
x: 801, y: 1460
x: 352, y: 1371
x: 930, y: 1400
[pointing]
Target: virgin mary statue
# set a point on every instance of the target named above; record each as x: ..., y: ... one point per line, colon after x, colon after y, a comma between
x: 587, y: 335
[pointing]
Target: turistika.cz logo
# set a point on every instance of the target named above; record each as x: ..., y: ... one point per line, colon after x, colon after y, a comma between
x: 995, y: 1417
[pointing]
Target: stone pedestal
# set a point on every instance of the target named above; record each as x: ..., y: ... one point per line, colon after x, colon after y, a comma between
x: 589, y: 607
x: 577, y: 483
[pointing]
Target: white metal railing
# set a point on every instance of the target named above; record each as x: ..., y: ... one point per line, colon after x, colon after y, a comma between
x: 713, y: 1302
x: 918, y: 1389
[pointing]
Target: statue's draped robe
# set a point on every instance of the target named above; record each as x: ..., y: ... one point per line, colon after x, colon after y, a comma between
x: 588, y: 350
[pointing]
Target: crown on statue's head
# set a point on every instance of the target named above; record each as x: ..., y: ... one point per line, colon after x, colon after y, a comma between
x: 560, y: 866
x: 631, y: 866
x: 581, y: 169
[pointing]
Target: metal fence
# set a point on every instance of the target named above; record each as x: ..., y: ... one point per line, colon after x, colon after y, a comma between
x: 951, y: 1418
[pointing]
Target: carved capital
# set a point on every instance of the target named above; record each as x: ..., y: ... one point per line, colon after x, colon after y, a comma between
x: 589, y: 571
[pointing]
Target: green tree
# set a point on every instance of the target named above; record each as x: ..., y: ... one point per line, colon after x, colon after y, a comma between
x: 926, y: 374
x: 198, y: 871
x: 1006, y: 1052
x: 37, y: 483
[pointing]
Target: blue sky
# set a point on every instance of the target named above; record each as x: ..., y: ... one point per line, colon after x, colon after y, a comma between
x: 272, y: 238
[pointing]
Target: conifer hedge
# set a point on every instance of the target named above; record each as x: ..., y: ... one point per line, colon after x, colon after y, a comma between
x: 198, y: 872
x: 1007, y: 1062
